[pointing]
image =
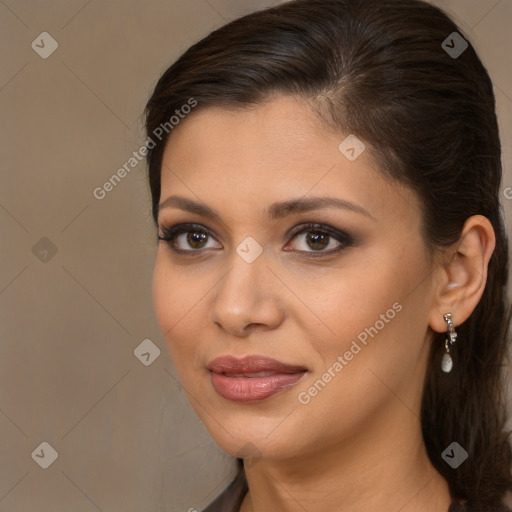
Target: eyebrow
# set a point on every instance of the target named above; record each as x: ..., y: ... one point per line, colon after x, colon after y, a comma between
x: 275, y: 211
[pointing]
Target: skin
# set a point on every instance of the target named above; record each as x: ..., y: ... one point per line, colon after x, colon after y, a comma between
x: 357, y: 445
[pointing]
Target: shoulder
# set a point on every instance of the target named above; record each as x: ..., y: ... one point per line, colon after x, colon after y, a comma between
x: 230, y: 499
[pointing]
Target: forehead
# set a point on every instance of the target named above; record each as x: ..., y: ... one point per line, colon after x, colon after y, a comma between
x: 283, y: 129
x: 273, y: 151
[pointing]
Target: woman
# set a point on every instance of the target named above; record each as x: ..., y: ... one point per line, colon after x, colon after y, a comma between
x: 331, y: 272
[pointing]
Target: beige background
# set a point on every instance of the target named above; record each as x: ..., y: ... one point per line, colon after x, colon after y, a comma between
x: 125, y: 436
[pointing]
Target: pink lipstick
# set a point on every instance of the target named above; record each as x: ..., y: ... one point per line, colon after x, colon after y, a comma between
x: 252, y: 378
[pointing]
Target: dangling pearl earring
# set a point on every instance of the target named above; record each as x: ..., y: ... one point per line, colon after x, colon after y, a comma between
x: 451, y: 337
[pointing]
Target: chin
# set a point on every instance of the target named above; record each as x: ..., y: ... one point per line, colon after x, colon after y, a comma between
x: 247, y: 434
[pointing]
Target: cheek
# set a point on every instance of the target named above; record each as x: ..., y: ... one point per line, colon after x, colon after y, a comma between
x: 373, y: 354
x: 179, y: 301
x: 370, y: 314
x: 348, y: 301
x: 177, y: 293
x: 170, y: 302
x: 163, y: 299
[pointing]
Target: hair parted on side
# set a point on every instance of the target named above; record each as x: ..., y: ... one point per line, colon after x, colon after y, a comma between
x: 376, y: 68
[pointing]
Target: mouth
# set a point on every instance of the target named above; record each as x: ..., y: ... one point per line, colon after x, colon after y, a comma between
x: 249, y: 375
x: 252, y: 378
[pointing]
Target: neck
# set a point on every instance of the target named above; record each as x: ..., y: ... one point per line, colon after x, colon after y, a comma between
x: 384, y: 467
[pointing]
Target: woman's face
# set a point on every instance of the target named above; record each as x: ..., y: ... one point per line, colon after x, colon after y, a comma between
x: 343, y: 304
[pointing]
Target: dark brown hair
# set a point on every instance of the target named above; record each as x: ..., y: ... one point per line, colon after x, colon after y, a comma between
x: 377, y: 69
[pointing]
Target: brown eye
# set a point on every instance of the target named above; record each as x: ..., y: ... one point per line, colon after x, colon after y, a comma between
x: 319, y: 239
x: 196, y: 239
x: 187, y: 238
x: 316, y: 241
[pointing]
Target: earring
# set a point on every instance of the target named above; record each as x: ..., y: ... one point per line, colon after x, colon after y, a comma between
x: 451, y: 337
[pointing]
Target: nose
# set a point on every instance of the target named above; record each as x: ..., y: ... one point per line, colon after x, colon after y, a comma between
x: 249, y: 297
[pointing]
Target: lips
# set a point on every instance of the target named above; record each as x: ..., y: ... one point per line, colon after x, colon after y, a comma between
x: 252, y: 378
x: 249, y: 375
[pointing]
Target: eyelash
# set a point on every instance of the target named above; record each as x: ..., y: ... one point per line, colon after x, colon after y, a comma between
x: 169, y: 235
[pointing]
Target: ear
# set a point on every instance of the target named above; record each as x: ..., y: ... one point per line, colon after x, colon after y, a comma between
x: 463, y: 273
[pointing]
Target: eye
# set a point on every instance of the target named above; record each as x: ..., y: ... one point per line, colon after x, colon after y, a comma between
x: 316, y: 238
x: 186, y: 238
x: 193, y: 238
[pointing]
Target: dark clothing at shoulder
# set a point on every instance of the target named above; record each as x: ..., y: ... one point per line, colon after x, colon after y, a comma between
x: 230, y: 499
